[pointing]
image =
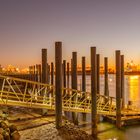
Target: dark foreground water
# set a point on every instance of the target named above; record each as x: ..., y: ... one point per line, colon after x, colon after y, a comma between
x: 107, y: 131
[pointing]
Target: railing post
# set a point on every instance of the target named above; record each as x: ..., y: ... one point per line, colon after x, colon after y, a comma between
x: 84, y: 81
x: 93, y: 91
x: 74, y: 83
x: 98, y: 73
x: 122, y: 82
x: 58, y: 84
x: 118, y: 89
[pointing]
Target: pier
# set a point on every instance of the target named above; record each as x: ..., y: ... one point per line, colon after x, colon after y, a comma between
x: 36, y: 90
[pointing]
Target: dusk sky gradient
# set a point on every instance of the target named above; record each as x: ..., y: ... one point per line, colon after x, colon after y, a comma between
x: 27, y: 26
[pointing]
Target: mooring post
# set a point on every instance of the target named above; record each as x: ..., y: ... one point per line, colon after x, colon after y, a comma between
x: 30, y: 73
x: 44, y: 66
x: 84, y: 81
x: 39, y: 72
x: 93, y: 91
x: 52, y: 77
x: 58, y: 83
x: 64, y: 75
x: 68, y: 75
x: 118, y: 89
x: 74, y: 83
x: 122, y: 82
x: 34, y: 73
x: 71, y: 72
x: 48, y: 76
x: 52, y: 73
x: 106, y: 90
x: 98, y: 73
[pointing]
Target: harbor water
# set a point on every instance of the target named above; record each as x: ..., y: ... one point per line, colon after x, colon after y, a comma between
x: 108, y: 131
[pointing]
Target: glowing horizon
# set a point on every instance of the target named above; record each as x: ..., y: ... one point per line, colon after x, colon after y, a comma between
x: 28, y: 26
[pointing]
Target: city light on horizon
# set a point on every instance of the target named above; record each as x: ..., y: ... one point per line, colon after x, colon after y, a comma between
x: 27, y: 27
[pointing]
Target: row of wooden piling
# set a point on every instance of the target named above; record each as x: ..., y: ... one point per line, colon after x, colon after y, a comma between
x: 62, y: 72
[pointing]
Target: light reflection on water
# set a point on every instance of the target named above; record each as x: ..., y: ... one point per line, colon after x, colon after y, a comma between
x: 108, y: 131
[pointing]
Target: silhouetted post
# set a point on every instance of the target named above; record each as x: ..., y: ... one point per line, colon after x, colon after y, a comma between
x: 64, y: 75
x: 98, y: 73
x: 122, y: 81
x: 68, y: 75
x: 39, y: 72
x: 52, y: 77
x: 74, y: 83
x: 106, y: 90
x: 118, y: 89
x: 52, y: 73
x: 48, y: 71
x: 71, y: 71
x: 58, y: 84
x: 83, y: 74
x: 34, y: 73
x: 44, y: 66
x: 93, y: 91
x: 84, y: 81
x: 30, y: 72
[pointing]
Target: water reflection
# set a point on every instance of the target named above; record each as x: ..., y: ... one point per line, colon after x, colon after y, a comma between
x: 133, y: 89
x: 108, y: 131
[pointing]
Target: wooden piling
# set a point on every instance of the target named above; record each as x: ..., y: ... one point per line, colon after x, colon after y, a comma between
x: 74, y: 83
x: 106, y: 89
x: 84, y: 81
x: 98, y: 73
x: 93, y: 91
x: 48, y: 76
x: 30, y: 73
x: 83, y: 74
x: 122, y: 82
x: 64, y: 73
x: 52, y: 73
x: 68, y: 75
x: 118, y: 89
x: 44, y: 66
x: 34, y: 73
x: 39, y: 72
x: 58, y: 83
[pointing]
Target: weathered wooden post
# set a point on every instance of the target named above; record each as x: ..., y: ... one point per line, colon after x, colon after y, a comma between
x: 34, y: 73
x: 48, y: 71
x: 44, y: 66
x: 84, y: 81
x: 52, y: 73
x: 122, y: 82
x: 118, y: 89
x: 93, y: 91
x: 30, y: 73
x: 64, y: 75
x: 39, y: 72
x: 74, y: 83
x: 68, y: 75
x: 52, y: 77
x: 98, y: 73
x: 58, y: 83
x: 106, y: 90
